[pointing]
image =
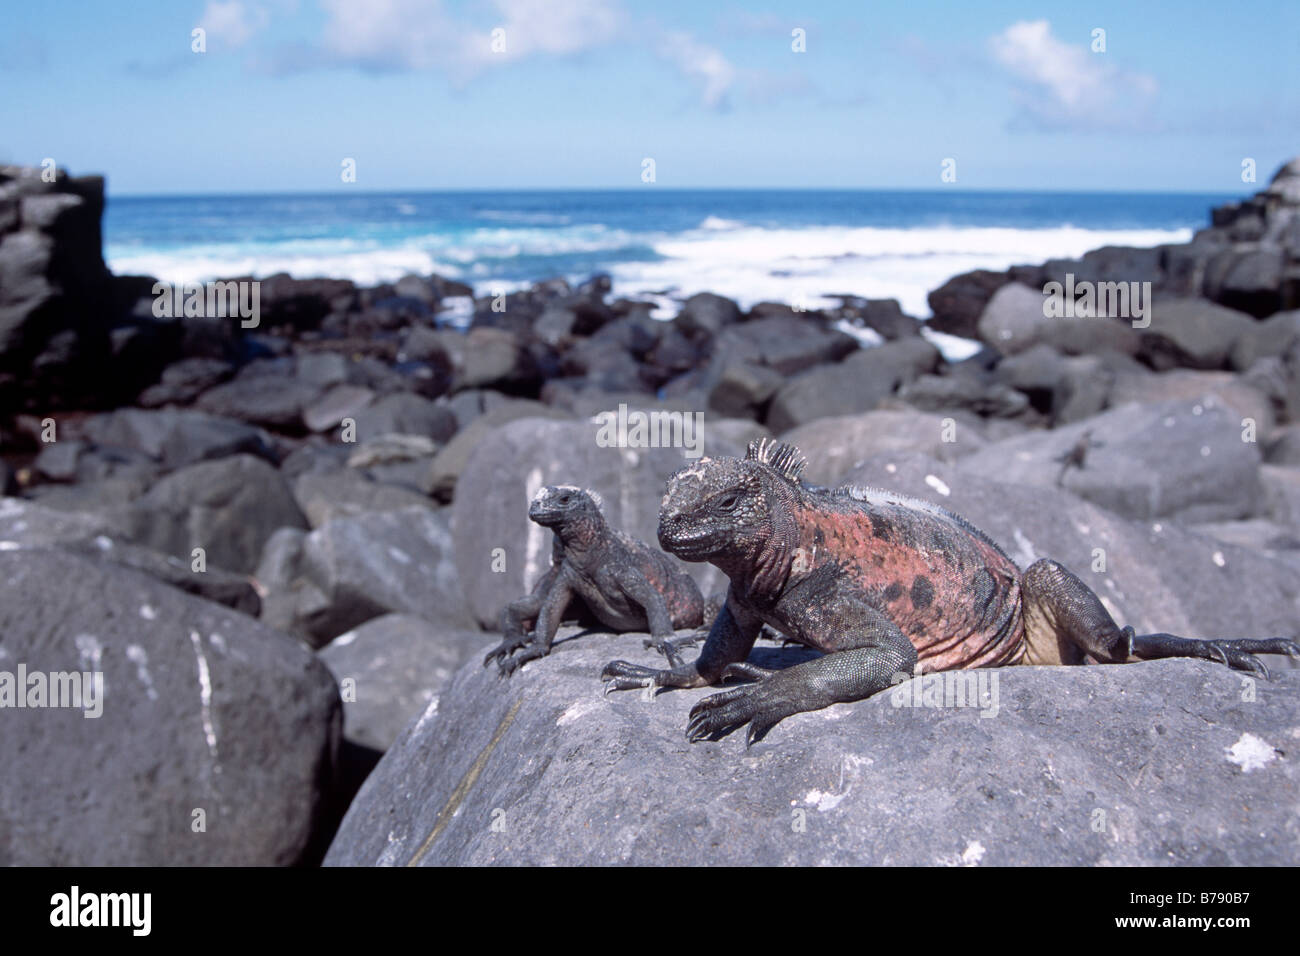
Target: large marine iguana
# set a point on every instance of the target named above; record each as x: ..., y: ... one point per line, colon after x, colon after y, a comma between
x: 877, y: 581
x: 626, y: 584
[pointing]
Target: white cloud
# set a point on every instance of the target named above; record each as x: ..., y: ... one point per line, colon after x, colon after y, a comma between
x: 704, y: 65
x: 421, y: 34
x: 233, y: 21
x: 1068, y: 85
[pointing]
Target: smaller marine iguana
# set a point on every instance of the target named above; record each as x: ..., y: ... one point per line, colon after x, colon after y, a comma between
x: 626, y: 584
x: 876, y: 581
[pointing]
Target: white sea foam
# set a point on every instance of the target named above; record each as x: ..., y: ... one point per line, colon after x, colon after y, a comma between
x: 745, y: 262
x: 717, y: 223
x: 752, y: 264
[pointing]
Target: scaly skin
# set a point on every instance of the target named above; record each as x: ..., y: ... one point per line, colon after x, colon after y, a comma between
x: 877, y: 581
x: 625, y: 583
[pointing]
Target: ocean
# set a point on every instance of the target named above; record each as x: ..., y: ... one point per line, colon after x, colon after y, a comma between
x: 752, y: 245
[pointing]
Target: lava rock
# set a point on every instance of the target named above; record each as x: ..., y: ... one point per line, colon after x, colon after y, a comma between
x: 544, y: 771
x: 398, y: 664
x: 834, y: 446
x: 380, y: 562
x: 1173, y: 460
x: 176, y: 437
x: 227, y: 507
x: 195, y: 697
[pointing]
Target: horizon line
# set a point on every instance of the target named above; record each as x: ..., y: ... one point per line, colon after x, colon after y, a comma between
x: 466, y: 190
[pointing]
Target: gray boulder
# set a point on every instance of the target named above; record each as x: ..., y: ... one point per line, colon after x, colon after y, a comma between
x: 1273, y: 337
x: 380, y: 562
x: 397, y: 664
x: 857, y: 384
x: 787, y: 343
x: 270, y: 397
x: 742, y: 388
x: 1285, y: 447
x: 175, y: 437
x: 1192, y: 333
x: 1014, y: 321
x: 337, y: 403
x: 1188, y: 386
x: 227, y: 507
x: 183, y: 381
x: 706, y: 314
x: 1181, y: 460
x: 834, y: 446
x: 965, y: 392
x: 323, y: 497
x: 451, y: 458
x: 404, y: 413
x: 235, y: 591
x: 177, y: 770
x: 29, y: 524
x: 1144, y: 764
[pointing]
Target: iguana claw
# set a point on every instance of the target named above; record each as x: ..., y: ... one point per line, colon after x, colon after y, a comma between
x: 719, y: 714
x: 503, y: 650
x: 1237, y: 653
x: 620, y: 675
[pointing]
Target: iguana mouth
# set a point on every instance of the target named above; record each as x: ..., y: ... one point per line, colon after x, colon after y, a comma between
x: 689, y: 547
x: 543, y: 515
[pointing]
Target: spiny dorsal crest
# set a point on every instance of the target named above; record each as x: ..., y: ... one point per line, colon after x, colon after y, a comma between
x: 785, y: 460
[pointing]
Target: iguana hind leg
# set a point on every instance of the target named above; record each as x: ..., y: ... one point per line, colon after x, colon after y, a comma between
x: 729, y: 642
x: 1065, y: 622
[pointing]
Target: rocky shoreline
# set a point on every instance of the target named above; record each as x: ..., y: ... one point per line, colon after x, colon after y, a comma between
x: 285, y: 547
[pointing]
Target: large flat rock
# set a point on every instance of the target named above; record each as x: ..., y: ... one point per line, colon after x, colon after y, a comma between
x: 1154, y: 763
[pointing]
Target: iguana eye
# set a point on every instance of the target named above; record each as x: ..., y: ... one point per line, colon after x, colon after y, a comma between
x: 728, y: 501
x: 564, y: 499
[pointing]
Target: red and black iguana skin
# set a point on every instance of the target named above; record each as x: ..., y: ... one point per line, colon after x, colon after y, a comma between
x: 877, y: 581
x: 626, y: 584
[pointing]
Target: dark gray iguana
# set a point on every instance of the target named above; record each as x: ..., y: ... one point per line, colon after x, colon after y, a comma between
x: 626, y: 584
x: 876, y: 580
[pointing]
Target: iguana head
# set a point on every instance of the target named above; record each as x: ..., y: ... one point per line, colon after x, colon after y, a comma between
x: 564, y: 506
x: 735, y: 512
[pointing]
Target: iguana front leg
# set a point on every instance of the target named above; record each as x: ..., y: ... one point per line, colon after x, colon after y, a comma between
x: 635, y: 585
x: 1065, y: 620
x: 873, y: 651
x: 514, y: 654
x: 730, y: 640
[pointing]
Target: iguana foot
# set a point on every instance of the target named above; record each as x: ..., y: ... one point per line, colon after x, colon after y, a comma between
x: 513, y: 653
x: 759, y: 705
x: 670, y: 647
x: 1238, y: 654
x: 505, y: 649
x: 621, y: 675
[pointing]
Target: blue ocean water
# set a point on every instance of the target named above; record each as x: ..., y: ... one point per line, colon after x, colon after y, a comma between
x: 787, y: 245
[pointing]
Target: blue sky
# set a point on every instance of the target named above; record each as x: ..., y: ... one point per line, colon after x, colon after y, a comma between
x: 585, y: 89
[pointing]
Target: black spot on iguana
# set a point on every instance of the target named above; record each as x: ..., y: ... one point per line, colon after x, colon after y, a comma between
x: 806, y: 562
x: 625, y: 584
